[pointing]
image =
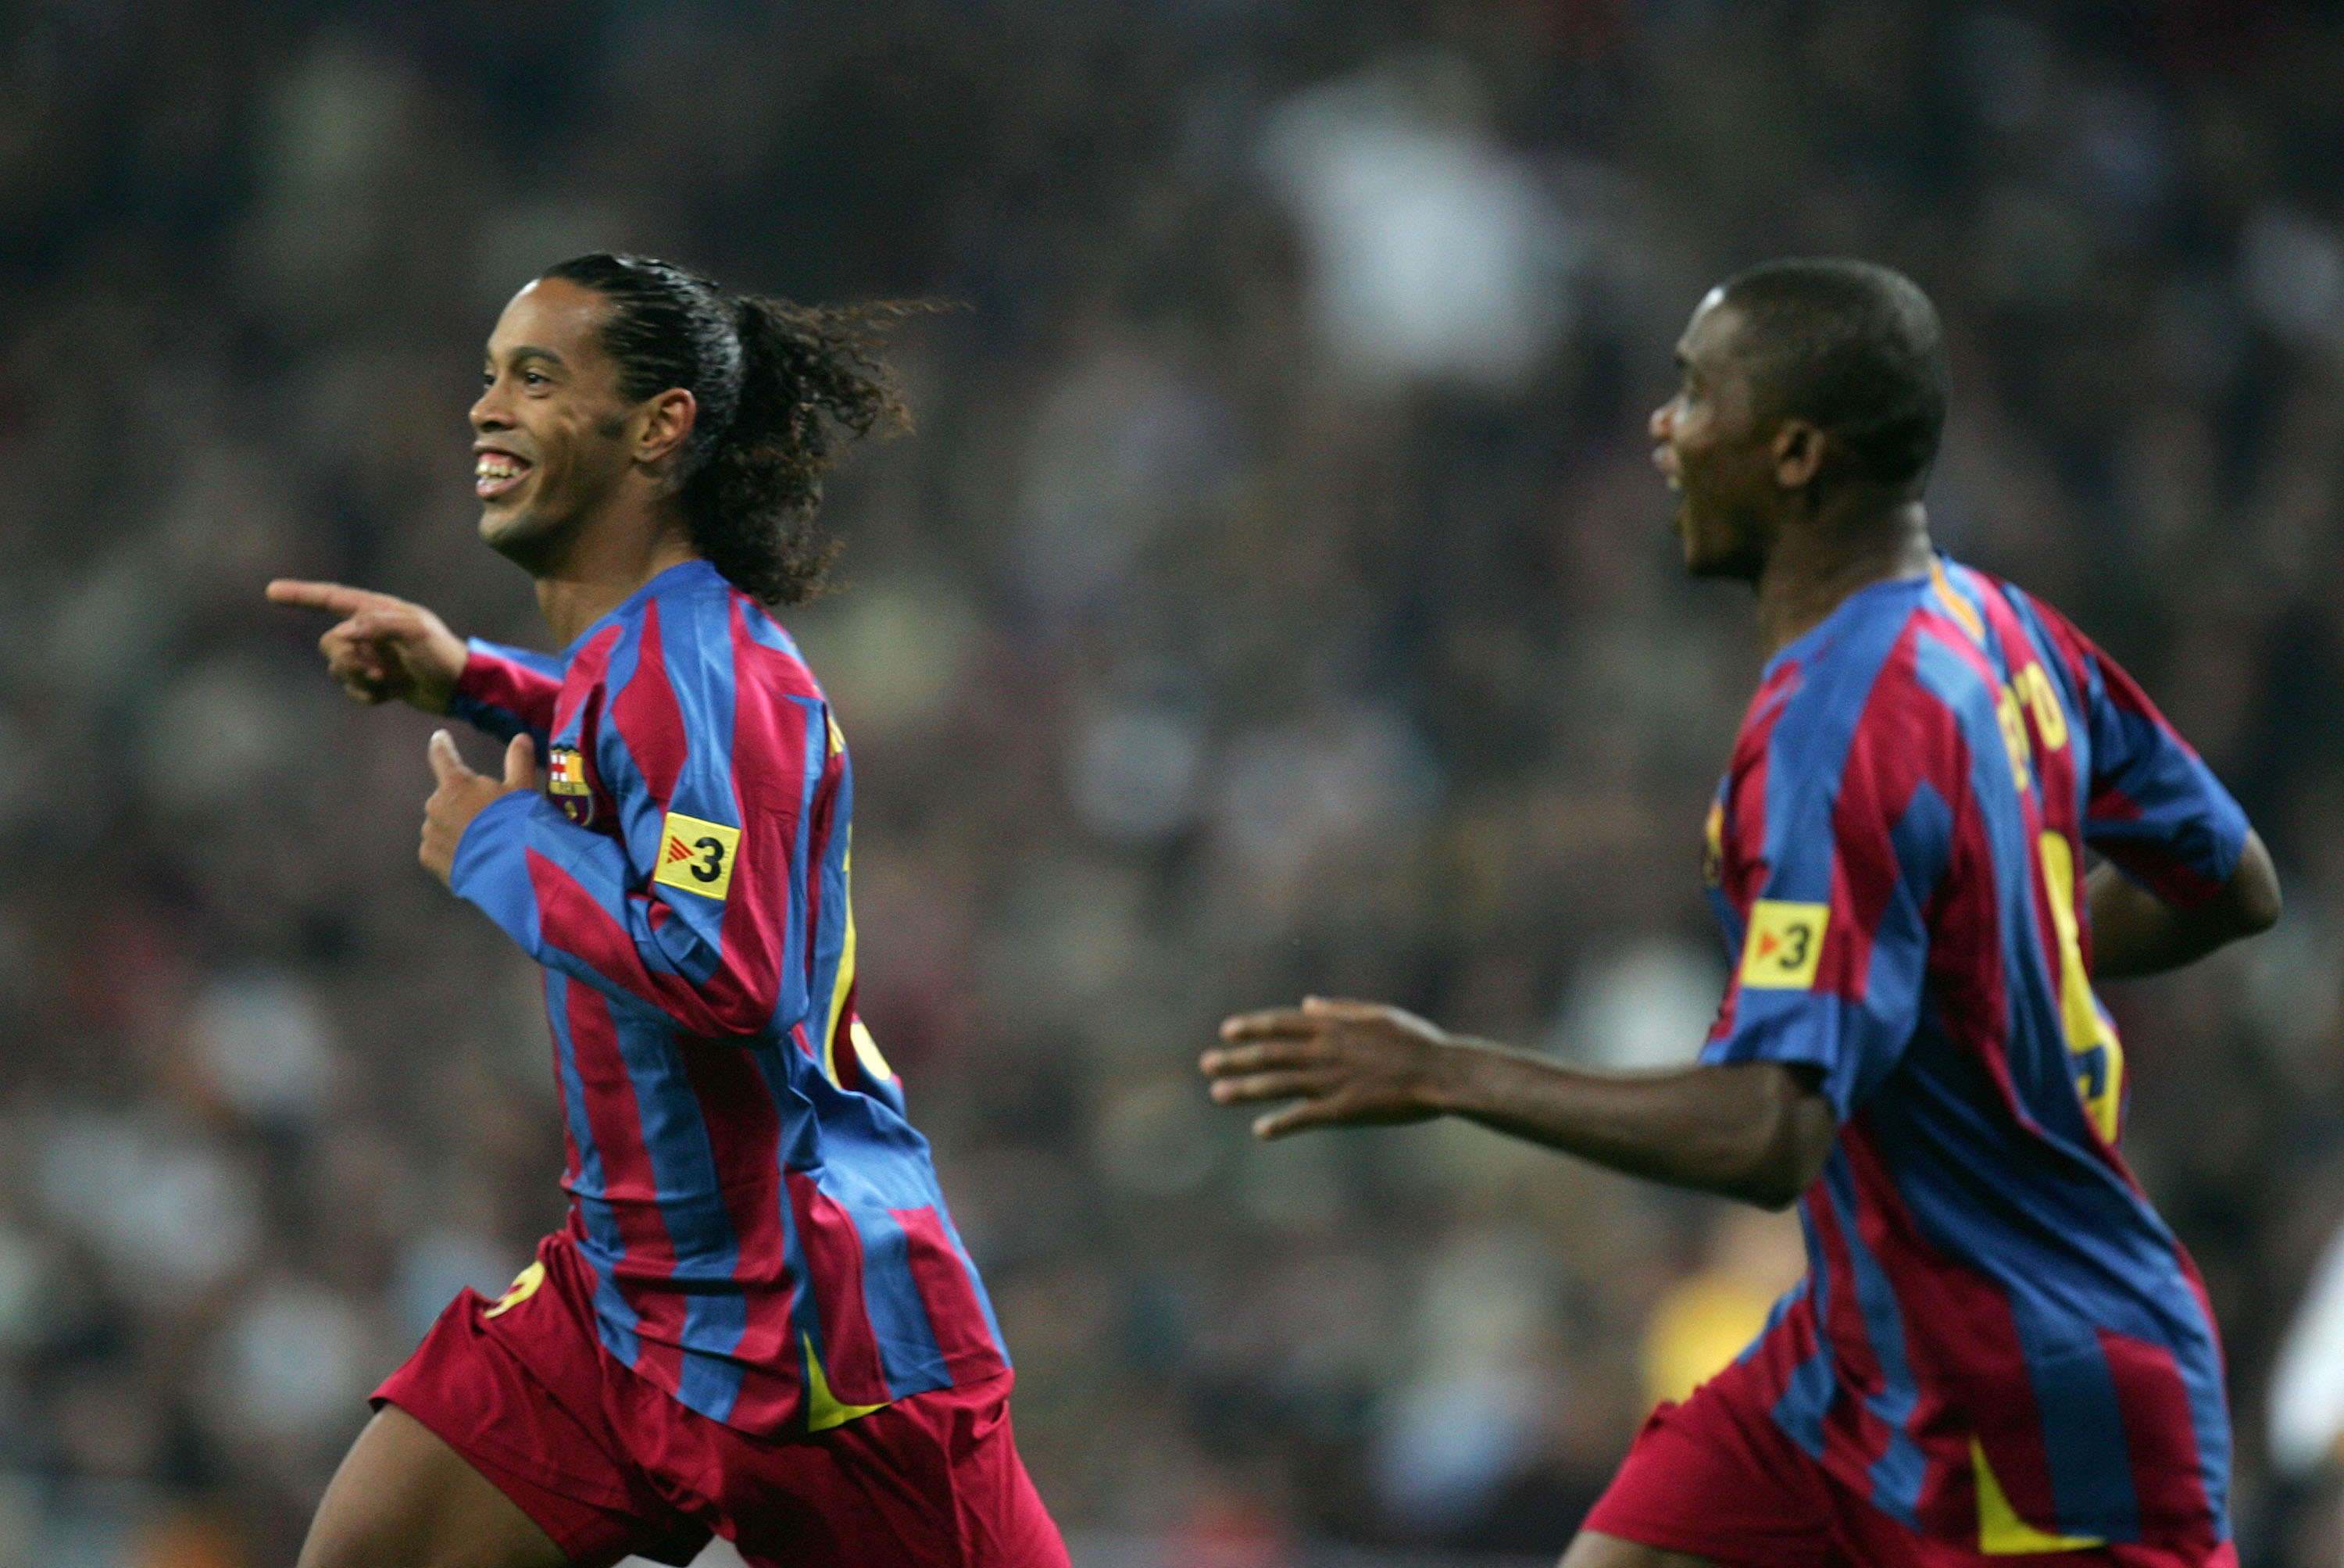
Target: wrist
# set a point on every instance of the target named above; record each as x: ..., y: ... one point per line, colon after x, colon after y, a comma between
x: 1442, y: 1086
x: 434, y: 690
x: 479, y: 843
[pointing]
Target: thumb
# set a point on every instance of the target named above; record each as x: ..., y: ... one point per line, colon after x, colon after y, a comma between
x: 521, y: 762
x: 447, y: 765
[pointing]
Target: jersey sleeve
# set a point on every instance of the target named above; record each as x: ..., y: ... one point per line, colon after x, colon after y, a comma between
x: 1835, y: 945
x: 2151, y: 806
x: 689, y: 908
x: 507, y: 691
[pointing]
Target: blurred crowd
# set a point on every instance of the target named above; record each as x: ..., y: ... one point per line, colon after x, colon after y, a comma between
x: 1276, y: 597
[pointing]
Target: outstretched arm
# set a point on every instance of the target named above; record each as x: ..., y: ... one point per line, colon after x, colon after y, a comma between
x: 383, y: 649
x: 1757, y: 1131
x: 2134, y: 932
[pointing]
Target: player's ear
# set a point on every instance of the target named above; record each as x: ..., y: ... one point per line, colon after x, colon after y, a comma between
x: 1798, y: 453
x: 664, y: 423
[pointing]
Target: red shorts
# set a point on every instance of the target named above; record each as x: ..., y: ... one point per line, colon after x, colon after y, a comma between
x: 609, y: 1465
x: 1714, y: 1477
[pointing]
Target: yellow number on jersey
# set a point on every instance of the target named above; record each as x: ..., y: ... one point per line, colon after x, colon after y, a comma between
x: 521, y: 1290
x: 866, y: 1049
x: 2014, y: 735
x: 2029, y: 692
x: 2050, y: 718
x: 2093, y: 1048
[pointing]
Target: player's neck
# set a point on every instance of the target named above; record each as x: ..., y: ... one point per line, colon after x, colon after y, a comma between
x: 605, y: 563
x: 1818, y: 560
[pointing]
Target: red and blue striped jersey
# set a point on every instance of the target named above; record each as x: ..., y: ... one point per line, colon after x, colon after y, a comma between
x: 764, y: 1223
x: 1997, y: 1340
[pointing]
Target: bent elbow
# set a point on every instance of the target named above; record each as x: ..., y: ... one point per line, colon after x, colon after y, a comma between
x: 2252, y: 892
x: 739, y: 1015
x: 1774, y: 1196
x: 731, y: 992
x: 2260, y: 910
x: 1776, y: 1185
x: 1792, y: 1157
x: 723, y: 1006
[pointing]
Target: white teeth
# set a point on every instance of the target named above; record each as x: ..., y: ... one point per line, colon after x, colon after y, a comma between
x: 495, y: 466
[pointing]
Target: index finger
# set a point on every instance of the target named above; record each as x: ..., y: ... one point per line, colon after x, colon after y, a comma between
x: 1348, y: 1009
x: 329, y: 596
x: 1275, y: 1023
x: 1226, y: 1061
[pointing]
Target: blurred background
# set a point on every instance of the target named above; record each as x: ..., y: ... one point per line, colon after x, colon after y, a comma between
x: 1275, y: 596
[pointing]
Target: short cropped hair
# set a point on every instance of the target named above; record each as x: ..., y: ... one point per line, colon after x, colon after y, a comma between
x: 1855, y: 348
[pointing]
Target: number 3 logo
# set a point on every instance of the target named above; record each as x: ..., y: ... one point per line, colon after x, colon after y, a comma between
x: 1785, y: 945
x: 713, y: 867
x: 697, y: 856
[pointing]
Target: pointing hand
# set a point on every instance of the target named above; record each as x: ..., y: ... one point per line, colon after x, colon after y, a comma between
x: 382, y: 648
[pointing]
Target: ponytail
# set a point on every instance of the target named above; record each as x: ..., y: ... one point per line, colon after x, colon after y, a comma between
x: 770, y: 378
x: 752, y: 501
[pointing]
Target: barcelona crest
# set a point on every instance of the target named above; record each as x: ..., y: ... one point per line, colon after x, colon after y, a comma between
x: 566, y: 783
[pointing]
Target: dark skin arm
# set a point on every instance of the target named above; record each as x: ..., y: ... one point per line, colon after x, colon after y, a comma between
x: 2136, y: 933
x: 1757, y: 1131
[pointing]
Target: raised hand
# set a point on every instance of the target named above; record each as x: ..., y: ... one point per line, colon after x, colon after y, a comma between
x: 462, y: 794
x: 1345, y: 1063
x: 383, y: 648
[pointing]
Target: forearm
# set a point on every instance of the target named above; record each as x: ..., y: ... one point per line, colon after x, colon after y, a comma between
x: 569, y: 899
x: 1755, y: 1131
x: 2136, y: 933
x: 500, y: 693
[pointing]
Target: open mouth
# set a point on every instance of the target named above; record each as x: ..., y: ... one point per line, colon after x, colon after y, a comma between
x: 496, y: 473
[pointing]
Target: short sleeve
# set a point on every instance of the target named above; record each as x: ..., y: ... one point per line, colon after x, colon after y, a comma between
x: 1836, y: 944
x: 2151, y: 806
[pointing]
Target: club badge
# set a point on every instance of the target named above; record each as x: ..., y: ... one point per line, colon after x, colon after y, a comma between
x: 565, y: 780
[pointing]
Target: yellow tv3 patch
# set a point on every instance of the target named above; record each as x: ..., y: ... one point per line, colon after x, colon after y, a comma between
x: 697, y: 855
x: 1784, y: 945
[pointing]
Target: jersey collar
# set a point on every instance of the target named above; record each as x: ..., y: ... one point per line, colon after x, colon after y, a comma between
x: 683, y: 574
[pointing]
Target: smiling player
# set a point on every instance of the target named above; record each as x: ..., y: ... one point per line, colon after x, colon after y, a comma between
x: 759, y: 1320
x: 1999, y: 1350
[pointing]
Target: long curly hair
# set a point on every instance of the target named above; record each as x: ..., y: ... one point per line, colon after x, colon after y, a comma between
x: 775, y: 382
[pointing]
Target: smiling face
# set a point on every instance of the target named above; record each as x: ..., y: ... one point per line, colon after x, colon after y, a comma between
x: 1712, y: 453
x: 553, y: 439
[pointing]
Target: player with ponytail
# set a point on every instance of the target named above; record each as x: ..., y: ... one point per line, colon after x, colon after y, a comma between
x: 759, y: 1320
x: 773, y: 380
